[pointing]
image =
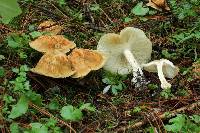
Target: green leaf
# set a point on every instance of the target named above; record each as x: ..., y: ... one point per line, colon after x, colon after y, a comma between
x: 24, y: 68
x: 71, y: 113
x: 13, y: 44
x: 20, y: 108
x: 38, y: 128
x: 177, y: 123
x: 34, y: 97
x: 195, y: 118
x: 54, y: 105
x: 2, y: 57
x: 87, y: 106
x: 127, y: 19
x: 140, y: 10
x: 106, y: 81
x: 114, y: 91
x: 136, y: 110
x: 8, y: 10
x: 8, y: 99
x: 95, y: 7
x: 14, y: 128
x: 51, y: 122
x: 2, y: 72
x: 35, y: 34
x: 15, y: 70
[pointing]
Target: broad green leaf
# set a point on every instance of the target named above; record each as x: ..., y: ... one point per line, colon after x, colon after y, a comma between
x: 14, y: 128
x: 177, y: 123
x: 87, y: 106
x: 20, y: 108
x: 71, y: 113
x: 38, y: 128
x: 8, y: 10
x: 140, y: 10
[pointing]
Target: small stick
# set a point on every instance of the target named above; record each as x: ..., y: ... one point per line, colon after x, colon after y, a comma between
x: 104, y: 13
x: 42, y: 111
x: 162, y: 116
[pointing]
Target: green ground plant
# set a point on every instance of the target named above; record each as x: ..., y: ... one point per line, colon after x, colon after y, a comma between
x: 114, y: 82
x: 32, y: 103
x: 184, y: 124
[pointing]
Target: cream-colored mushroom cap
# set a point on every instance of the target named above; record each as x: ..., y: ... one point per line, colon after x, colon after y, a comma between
x: 168, y: 68
x: 114, y: 46
x: 55, y: 65
x: 51, y: 27
x: 85, y: 60
x: 164, y: 68
x: 52, y: 43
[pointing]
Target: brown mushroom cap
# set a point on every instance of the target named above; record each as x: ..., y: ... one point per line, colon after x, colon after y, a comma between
x: 55, y: 65
x: 52, y: 43
x: 50, y: 27
x: 85, y: 60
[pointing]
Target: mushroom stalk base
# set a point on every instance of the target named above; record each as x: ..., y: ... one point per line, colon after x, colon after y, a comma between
x: 138, y: 76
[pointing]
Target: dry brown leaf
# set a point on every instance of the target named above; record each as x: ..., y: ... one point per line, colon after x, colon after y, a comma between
x: 158, y: 4
x: 50, y: 27
x: 196, y: 70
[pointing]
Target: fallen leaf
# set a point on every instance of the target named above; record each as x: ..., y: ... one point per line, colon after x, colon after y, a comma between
x: 196, y: 70
x: 158, y: 5
x: 157, y: 17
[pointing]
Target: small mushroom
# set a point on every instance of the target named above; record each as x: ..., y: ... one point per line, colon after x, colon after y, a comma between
x: 165, y: 68
x: 52, y: 43
x: 126, y: 52
x: 85, y: 60
x: 55, y: 65
x: 51, y: 27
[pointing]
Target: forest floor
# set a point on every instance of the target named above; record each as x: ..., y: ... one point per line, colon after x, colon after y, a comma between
x: 174, y: 34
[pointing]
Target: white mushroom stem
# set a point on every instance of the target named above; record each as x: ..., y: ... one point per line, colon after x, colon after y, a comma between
x: 134, y: 64
x: 164, y: 83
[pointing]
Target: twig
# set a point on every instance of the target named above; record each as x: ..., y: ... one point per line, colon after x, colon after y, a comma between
x: 162, y: 116
x: 50, y: 115
x: 104, y: 13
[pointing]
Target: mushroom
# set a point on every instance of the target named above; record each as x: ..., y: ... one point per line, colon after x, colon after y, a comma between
x: 85, y: 60
x: 165, y: 68
x: 126, y: 52
x: 51, y: 27
x: 52, y: 43
x: 55, y: 65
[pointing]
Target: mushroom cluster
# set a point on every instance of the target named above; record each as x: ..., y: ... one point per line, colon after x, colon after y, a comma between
x: 56, y: 64
x: 130, y: 51
x: 124, y: 53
